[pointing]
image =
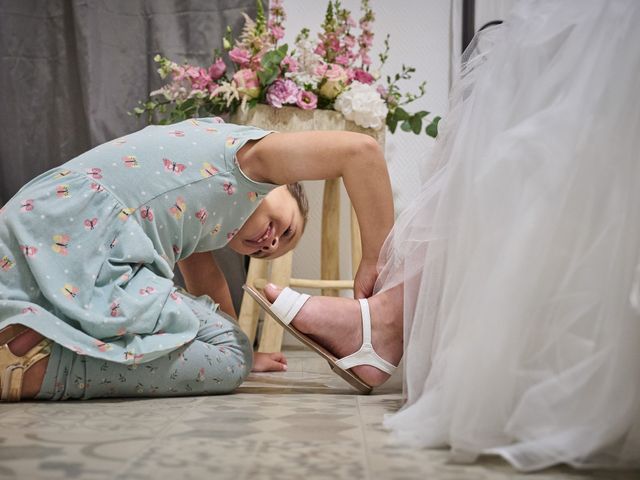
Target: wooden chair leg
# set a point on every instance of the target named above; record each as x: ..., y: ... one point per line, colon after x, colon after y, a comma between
x: 249, y: 309
x: 272, y: 332
x: 330, y: 253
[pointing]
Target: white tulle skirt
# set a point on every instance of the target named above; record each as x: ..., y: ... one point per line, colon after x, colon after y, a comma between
x: 520, y: 257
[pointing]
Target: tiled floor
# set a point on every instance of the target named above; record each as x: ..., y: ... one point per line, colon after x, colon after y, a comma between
x: 303, y: 424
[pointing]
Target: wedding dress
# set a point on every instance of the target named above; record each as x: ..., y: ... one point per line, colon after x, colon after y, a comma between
x: 520, y: 257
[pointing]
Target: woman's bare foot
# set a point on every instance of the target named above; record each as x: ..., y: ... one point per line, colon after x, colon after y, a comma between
x: 33, y: 377
x: 335, y: 323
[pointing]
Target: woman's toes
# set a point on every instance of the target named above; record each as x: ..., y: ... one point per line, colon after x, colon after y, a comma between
x: 272, y: 291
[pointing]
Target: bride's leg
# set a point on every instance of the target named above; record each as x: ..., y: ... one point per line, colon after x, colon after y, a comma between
x: 335, y: 323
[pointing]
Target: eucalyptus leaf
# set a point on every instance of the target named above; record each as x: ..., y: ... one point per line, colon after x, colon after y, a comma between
x: 432, y: 128
x: 416, y: 124
x: 401, y: 114
x: 392, y: 123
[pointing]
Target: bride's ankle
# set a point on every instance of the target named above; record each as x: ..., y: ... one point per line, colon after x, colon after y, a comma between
x: 386, y: 314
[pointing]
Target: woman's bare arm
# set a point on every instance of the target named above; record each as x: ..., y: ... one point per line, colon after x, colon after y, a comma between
x: 202, y: 276
x: 284, y: 158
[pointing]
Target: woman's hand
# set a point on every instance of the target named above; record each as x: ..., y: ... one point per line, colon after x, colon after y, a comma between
x: 365, y: 279
x: 269, y: 362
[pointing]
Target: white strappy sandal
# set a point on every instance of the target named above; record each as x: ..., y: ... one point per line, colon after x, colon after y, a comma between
x: 287, y: 306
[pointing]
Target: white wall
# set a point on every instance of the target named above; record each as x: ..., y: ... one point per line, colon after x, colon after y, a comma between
x: 420, y: 37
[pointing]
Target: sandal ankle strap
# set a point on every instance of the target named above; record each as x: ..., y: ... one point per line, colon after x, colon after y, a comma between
x: 366, y: 355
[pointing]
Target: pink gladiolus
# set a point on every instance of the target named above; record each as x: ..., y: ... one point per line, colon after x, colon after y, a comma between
x: 349, y: 41
x: 319, y: 50
x: 289, y: 64
x: 276, y: 31
x: 239, y: 56
x: 306, y: 100
x: 363, y: 76
x: 366, y: 59
x: 282, y: 92
x: 365, y: 25
x: 342, y: 60
x: 217, y: 69
x: 247, y: 83
x: 366, y: 39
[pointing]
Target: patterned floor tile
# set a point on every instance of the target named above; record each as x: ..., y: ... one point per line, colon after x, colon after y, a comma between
x: 303, y: 424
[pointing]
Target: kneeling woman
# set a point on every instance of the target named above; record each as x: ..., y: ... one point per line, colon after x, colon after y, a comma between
x: 88, y: 307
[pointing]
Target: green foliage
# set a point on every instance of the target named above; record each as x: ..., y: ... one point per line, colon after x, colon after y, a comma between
x: 432, y: 128
x: 271, y: 65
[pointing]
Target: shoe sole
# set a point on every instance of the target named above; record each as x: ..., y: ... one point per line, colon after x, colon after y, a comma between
x: 346, y: 375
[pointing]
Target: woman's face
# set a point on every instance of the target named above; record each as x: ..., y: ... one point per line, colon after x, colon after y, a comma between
x: 273, y: 229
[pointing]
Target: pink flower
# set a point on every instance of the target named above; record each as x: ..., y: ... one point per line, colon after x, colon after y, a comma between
x: 201, y: 81
x: 335, y: 79
x: 178, y: 73
x: 306, y: 100
x: 342, y: 60
x: 282, y: 92
x: 276, y: 31
x: 366, y: 39
x: 366, y: 59
x: 239, y: 56
x: 246, y: 81
x: 382, y: 91
x: 349, y: 41
x: 363, y: 76
x: 335, y: 72
x: 217, y: 69
x: 289, y: 64
x: 321, y: 69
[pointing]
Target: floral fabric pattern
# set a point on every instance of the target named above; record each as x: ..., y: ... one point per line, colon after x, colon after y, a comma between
x: 87, y: 250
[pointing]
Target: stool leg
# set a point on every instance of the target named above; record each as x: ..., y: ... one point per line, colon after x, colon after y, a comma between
x: 249, y: 309
x: 271, y: 338
x: 330, y: 247
x: 356, y: 244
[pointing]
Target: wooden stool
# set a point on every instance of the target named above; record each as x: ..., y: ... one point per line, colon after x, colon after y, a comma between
x: 278, y: 271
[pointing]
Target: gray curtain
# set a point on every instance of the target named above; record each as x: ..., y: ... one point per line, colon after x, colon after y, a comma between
x: 70, y: 70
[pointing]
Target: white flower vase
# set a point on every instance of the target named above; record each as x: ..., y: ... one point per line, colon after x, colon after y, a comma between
x: 293, y: 119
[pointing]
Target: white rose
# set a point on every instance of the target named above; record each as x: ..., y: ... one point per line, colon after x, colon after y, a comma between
x: 363, y: 105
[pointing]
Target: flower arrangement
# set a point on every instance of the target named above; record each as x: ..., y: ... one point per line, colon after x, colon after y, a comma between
x: 330, y: 72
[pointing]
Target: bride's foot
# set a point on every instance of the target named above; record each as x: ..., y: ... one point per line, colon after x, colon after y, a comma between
x: 335, y: 323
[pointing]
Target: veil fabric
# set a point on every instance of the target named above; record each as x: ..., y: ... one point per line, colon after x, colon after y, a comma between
x: 520, y: 256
